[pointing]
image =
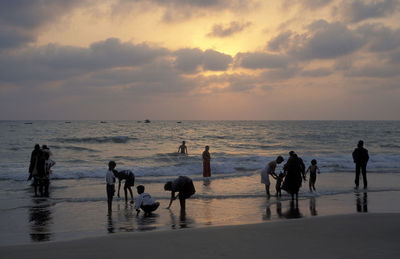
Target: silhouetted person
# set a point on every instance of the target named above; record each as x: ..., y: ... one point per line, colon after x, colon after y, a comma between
x: 185, y: 188
x: 293, y: 170
x: 360, y: 158
x: 313, y: 169
x: 206, y: 162
x: 129, y: 178
x: 33, y: 162
x: 45, y: 181
x: 145, y: 202
x: 110, y: 184
x: 182, y: 148
x: 270, y: 170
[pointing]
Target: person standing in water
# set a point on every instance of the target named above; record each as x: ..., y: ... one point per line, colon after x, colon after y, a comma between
x: 206, y: 162
x: 270, y: 170
x: 33, y: 162
x: 360, y: 158
x: 182, y: 148
x: 313, y: 169
x: 110, y: 184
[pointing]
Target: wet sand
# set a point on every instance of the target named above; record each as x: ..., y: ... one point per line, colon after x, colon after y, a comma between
x: 349, y: 236
x: 77, y: 209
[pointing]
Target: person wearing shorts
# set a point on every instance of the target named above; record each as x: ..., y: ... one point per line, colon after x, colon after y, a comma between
x: 270, y: 170
x: 129, y: 178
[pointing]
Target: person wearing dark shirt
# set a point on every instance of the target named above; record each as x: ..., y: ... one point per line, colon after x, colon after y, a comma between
x: 129, y: 178
x: 185, y: 188
x: 360, y: 158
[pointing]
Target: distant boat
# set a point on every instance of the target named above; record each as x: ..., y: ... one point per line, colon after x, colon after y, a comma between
x: 178, y: 122
x: 147, y: 121
x: 28, y: 123
x: 103, y: 122
x: 67, y: 122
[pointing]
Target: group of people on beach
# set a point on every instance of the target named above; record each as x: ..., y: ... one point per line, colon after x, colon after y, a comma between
x: 40, y: 169
x: 290, y: 180
x: 182, y: 185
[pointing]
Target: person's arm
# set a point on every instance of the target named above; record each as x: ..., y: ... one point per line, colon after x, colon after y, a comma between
x: 138, y: 203
x: 172, y: 199
x: 179, y: 149
x: 186, y: 152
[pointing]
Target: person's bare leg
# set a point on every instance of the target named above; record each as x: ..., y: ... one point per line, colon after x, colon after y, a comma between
x: 130, y: 191
x: 126, y: 195
x: 183, y: 204
x: 267, y: 191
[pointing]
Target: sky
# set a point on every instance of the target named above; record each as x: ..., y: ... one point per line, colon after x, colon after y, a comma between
x: 200, y: 60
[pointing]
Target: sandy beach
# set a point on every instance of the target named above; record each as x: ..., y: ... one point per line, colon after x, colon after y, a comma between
x: 350, y: 236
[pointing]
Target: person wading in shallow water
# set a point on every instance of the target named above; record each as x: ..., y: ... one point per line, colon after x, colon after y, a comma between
x: 182, y: 148
x: 360, y: 158
x: 206, y: 162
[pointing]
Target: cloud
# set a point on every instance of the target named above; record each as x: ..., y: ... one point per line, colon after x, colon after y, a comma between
x: 216, y: 61
x: 14, y: 37
x: 325, y: 41
x: 56, y: 62
x: 280, y: 42
x: 189, y: 61
x: 261, y: 60
x: 221, y: 30
x: 379, y: 37
x: 19, y: 19
x: 178, y: 10
x: 319, y: 72
x: 360, y: 10
x: 382, y: 71
x: 308, y: 4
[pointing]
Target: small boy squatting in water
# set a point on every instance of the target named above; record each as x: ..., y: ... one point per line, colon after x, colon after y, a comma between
x: 313, y: 169
x: 270, y: 170
x: 145, y: 202
x: 110, y: 184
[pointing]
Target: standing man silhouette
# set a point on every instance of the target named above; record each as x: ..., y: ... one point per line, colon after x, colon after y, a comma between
x: 360, y: 158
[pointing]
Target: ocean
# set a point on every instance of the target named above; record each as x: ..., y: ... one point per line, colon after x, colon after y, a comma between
x: 77, y: 205
x: 82, y: 149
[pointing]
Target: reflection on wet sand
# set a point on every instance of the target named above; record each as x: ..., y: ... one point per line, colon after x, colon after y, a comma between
x: 40, y: 220
x: 184, y: 222
x: 362, y: 204
x: 110, y: 224
x: 146, y: 222
x: 207, y: 201
x: 293, y: 211
x: 267, y: 215
x: 313, y: 207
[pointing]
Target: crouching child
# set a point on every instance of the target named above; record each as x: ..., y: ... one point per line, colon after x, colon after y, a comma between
x: 145, y: 202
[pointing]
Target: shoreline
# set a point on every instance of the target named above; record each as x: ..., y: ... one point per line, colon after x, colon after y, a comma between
x: 77, y: 208
x: 372, y: 235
